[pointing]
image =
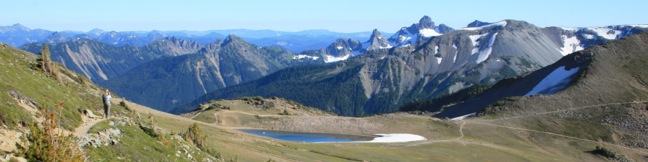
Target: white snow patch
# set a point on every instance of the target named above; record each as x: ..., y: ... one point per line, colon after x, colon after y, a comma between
x: 436, y: 49
x: 475, y: 42
x: 403, y: 38
x: 299, y: 57
x: 339, y: 47
x: 588, y: 36
x: 606, y: 33
x: 454, y: 59
x: 329, y: 58
x: 463, y: 117
x: 439, y: 60
x: 485, y: 53
x: 570, y: 45
x: 555, y: 81
x: 427, y: 32
x: 397, y: 137
x: 640, y: 25
x: 499, y: 23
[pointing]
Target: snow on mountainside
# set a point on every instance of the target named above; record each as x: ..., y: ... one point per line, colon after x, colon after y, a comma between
x: 576, y: 39
x: 571, y: 44
x: 487, y: 25
x: 424, y: 29
x: 568, y: 40
x: 380, y: 80
x: 555, y: 81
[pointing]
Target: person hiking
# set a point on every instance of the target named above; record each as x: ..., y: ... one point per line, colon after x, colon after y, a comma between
x: 106, y: 101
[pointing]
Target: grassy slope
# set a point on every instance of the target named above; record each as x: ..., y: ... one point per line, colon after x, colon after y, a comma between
x: 136, y: 144
x: 17, y: 73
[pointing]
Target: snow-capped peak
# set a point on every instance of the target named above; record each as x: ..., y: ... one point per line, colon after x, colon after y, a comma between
x: 425, y: 28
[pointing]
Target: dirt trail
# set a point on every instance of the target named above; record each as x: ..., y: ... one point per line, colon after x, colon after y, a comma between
x: 82, y: 130
x: 85, y: 127
x: 556, y: 134
x: 565, y: 110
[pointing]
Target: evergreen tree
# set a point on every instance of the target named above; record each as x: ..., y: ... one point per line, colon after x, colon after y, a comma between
x: 46, y: 63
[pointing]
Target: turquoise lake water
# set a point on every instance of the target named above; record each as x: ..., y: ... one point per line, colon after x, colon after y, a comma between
x: 306, y: 137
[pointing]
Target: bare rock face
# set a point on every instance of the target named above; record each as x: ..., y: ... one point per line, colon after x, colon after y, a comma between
x: 100, y: 61
x: 104, y: 138
x: 376, y: 41
x: 169, y: 82
x: 9, y: 139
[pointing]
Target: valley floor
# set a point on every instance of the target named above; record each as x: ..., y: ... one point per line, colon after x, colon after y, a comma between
x: 463, y: 140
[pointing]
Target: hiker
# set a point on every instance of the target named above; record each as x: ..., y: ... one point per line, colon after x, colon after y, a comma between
x: 106, y: 101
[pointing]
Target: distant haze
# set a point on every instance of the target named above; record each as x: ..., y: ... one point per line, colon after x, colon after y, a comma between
x: 297, y: 15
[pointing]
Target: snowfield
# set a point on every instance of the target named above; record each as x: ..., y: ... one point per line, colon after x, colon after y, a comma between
x: 554, y: 82
x: 299, y: 57
x: 426, y: 32
x: 475, y: 42
x: 499, y: 23
x: 606, y: 33
x: 570, y: 45
x: 485, y: 53
x: 396, y: 137
x: 462, y: 117
x: 329, y: 58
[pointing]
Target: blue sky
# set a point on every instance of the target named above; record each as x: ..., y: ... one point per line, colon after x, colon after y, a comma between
x: 296, y: 15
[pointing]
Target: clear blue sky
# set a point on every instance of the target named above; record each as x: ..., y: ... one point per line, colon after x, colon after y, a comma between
x: 295, y: 15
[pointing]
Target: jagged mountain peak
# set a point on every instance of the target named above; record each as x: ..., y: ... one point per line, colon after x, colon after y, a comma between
x: 426, y: 22
x: 375, y: 36
x: 376, y: 41
x: 375, y: 33
x: 424, y: 29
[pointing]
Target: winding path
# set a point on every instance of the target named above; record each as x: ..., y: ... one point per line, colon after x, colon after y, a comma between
x: 85, y: 127
x: 564, y: 110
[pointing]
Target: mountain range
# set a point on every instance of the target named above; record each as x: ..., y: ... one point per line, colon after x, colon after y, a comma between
x: 18, y: 35
x: 421, y: 62
x: 383, y: 80
x: 173, y: 81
